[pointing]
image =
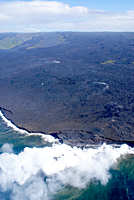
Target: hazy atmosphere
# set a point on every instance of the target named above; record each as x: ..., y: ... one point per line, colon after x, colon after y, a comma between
x: 85, y: 16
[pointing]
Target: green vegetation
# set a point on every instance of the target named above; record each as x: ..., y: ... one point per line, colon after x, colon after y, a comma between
x: 108, y: 62
x: 10, y: 42
x: 62, y: 38
x: 32, y: 47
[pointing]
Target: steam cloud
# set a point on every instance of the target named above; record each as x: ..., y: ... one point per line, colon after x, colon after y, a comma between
x: 37, y: 173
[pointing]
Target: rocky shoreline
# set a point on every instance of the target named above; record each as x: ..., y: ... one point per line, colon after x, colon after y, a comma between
x: 79, y: 90
x: 79, y: 138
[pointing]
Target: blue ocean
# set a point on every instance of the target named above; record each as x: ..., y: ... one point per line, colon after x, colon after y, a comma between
x: 38, y: 167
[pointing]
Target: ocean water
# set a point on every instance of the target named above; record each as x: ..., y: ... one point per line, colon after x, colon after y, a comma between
x: 39, y: 167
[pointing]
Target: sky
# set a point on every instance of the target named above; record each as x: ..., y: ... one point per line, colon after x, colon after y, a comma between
x: 66, y: 15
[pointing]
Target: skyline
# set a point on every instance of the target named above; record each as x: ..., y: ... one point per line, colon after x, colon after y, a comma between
x: 66, y: 15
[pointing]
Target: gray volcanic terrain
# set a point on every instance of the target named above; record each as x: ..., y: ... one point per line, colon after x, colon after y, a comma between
x: 78, y: 87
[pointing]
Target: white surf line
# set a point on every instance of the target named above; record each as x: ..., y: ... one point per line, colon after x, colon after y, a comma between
x: 46, y: 138
x: 10, y: 124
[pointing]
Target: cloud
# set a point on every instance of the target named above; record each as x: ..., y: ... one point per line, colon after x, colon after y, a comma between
x: 33, y: 16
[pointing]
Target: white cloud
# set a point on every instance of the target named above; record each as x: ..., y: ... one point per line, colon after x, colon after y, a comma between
x: 35, y: 16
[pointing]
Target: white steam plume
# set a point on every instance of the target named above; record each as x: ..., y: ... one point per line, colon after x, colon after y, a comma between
x: 37, y: 173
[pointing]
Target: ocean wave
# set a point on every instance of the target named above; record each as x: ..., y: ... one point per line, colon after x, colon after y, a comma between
x: 10, y: 124
x: 46, y: 138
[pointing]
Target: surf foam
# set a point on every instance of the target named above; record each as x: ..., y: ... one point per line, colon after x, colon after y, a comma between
x: 10, y: 124
x: 46, y: 138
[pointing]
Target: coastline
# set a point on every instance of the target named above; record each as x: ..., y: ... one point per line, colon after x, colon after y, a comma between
x: 79, y: 91
x: 78, y: 138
